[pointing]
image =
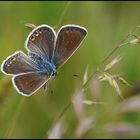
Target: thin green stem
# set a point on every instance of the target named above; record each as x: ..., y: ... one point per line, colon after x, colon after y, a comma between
x: 63, y: 13
x: 64, y: 110
x: 105, y: 59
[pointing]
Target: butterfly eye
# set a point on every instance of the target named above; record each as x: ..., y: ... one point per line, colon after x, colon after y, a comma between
x: 54, y: 73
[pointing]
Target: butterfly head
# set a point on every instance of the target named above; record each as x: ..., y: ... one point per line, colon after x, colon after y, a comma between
x: 54, y: 73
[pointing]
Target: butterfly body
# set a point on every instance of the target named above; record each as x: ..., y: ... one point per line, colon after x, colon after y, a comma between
x: 43, y: 65
x: 47, y: 52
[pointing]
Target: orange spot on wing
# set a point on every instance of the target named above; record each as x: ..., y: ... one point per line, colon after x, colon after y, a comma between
x: 40, y: 32
x: 14, y: 59
x: 33, y: 39
x: 37, y: 34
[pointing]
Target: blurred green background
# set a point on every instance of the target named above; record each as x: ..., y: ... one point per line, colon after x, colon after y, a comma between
x: 35, y: 116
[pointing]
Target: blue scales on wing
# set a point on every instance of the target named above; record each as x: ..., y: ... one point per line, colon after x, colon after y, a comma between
x: 41, y: 41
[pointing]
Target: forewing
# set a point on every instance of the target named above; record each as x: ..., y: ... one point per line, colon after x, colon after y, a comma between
x: 68, y: 41
x: 27, y: 84
x: 17, y: 63
x: 41, y: 41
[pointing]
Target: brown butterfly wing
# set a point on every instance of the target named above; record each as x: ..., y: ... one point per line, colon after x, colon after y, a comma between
x: 18, y: 63
x: 68, y: 41
x: 27, y: 84
x: 41, y: 41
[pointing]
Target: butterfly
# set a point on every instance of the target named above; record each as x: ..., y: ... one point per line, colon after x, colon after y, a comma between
x: 47, y: 52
